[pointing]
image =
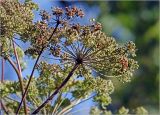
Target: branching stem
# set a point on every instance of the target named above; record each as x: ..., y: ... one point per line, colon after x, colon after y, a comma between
x: 57, y: 90
x: 34, y: 67
x: 20, y: 77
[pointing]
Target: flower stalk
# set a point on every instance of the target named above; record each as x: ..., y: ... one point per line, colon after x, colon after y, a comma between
x: 2, y: 79
x: 20, y: 77
x: 34, y: 67
x: 58, y: 89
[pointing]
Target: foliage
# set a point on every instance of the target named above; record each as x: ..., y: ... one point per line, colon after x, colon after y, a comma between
x: 83, y: 53
x: 121, y: 111
x: 14, y: 21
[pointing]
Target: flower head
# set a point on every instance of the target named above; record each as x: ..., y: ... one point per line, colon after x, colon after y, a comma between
x: 93, y: 50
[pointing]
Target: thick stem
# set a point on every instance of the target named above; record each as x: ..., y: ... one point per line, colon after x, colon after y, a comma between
x: 57, y: 90
x: 15, y: 68
x: 2, y: 75
x: 30, y: 78
x: 4, y: 108
x: 17, y: 72
x: 20, y: 77
x: 2, y: 79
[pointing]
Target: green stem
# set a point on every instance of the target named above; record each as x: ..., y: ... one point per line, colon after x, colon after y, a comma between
x: 58, y: 100
x: 65, y: 110
x: 59, y: 105
x: 68, y: 107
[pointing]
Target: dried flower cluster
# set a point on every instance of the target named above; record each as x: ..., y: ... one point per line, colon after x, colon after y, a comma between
x: 93, y: 50
x: 42, y: 28
x: 69, y: 12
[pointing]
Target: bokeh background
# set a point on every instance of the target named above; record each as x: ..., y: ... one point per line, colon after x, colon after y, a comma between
x: 125, y: 20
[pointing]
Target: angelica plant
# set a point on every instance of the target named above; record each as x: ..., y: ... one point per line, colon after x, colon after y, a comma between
x: 83, y: 59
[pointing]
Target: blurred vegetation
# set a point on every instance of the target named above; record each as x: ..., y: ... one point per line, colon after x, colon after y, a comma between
x: 137, y: 21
